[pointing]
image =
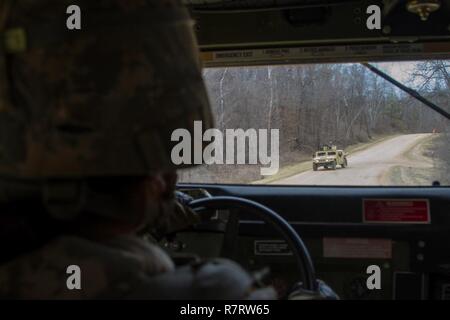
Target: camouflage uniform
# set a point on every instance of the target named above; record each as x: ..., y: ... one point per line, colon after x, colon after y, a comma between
x: 99, y: 102
x: 121, y: 268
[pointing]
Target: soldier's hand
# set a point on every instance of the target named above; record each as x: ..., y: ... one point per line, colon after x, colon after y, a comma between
x: 179, y: 219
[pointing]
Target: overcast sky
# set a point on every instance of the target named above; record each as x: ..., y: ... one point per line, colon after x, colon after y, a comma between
x: 400, y: 71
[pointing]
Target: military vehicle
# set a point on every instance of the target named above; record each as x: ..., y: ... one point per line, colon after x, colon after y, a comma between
x: 329, y: 158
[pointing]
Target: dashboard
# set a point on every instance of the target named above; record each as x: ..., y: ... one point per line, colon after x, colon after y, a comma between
x: 412, y: 257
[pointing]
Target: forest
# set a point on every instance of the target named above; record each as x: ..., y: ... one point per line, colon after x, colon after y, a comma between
x: 315, y: 104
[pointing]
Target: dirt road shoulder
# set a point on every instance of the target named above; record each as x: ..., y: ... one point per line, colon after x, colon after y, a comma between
x: 419, y: 167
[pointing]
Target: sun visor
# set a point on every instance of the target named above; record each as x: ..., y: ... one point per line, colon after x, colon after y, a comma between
x: 319, y: 32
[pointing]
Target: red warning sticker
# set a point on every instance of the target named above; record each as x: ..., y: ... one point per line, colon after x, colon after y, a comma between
x: 416, y: 211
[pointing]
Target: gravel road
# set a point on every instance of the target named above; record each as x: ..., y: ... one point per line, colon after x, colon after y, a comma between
x: 366, y: 167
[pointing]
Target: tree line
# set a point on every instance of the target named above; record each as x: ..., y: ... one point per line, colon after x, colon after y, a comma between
x: 315, y: 104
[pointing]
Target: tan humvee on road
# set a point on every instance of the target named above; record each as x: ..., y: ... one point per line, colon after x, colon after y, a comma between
x: 329, y: 158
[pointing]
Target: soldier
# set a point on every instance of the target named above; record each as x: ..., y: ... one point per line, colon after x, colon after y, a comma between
x: 85, y: 124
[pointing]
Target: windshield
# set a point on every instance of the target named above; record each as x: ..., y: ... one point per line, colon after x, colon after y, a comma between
x: 271, y: 119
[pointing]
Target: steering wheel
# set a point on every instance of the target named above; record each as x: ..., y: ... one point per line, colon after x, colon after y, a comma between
x: 298, y: 248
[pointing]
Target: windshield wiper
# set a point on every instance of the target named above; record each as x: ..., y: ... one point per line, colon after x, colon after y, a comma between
x: 410, y: 91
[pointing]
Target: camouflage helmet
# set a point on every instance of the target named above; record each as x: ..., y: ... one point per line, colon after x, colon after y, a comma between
x: 100, y: 101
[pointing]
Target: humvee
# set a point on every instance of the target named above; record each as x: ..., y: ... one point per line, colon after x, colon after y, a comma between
x: 329, y: 158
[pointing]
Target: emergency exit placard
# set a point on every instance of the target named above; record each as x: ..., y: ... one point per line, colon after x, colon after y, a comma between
x: 416, y: 211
